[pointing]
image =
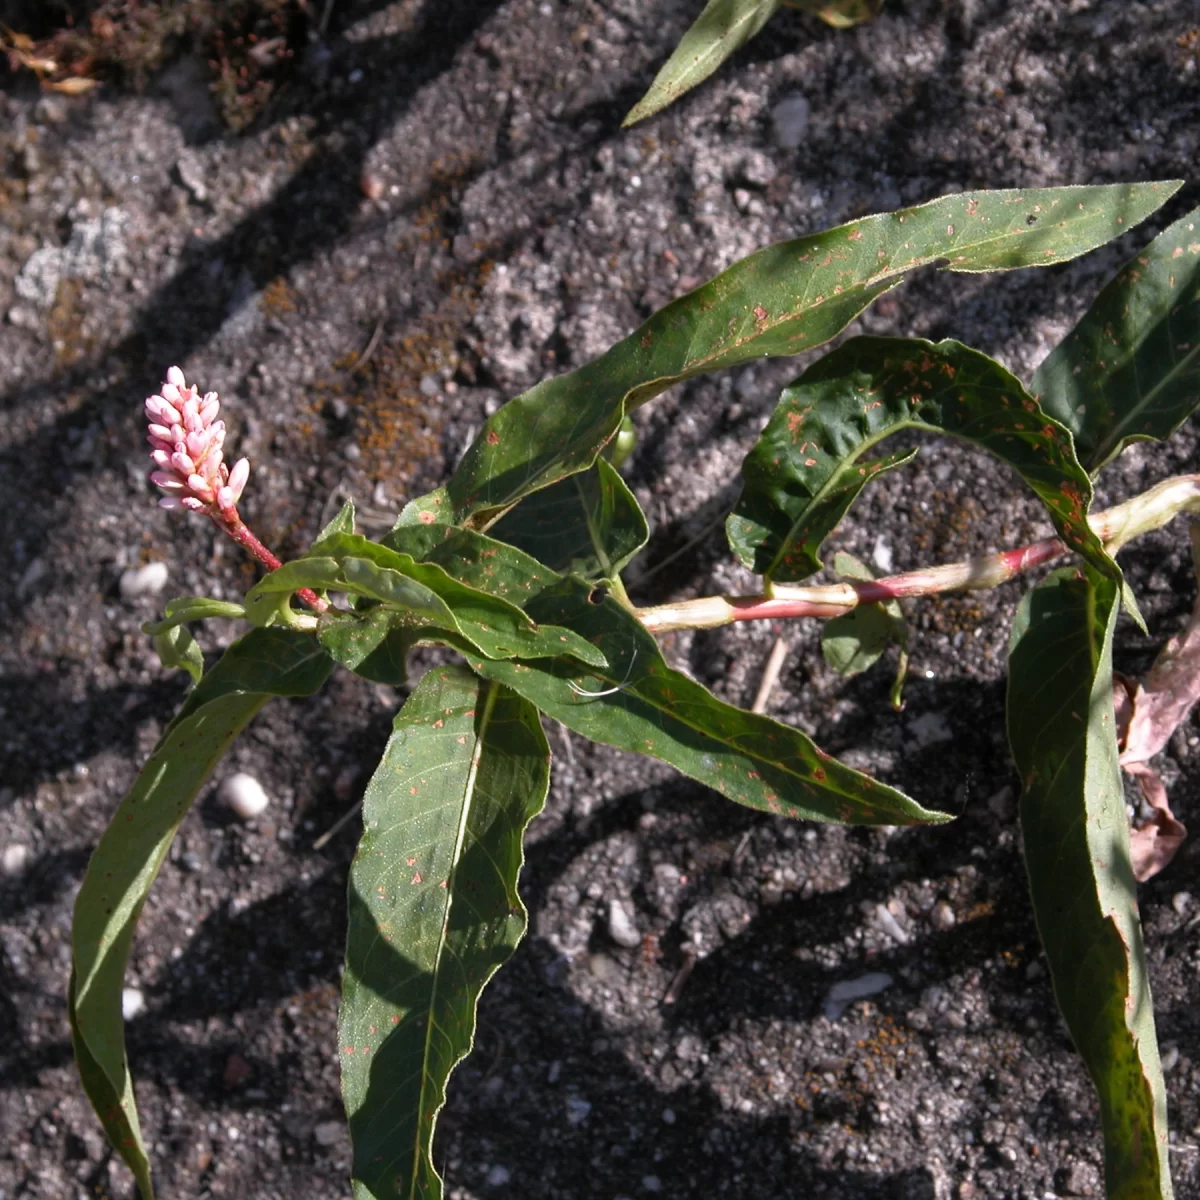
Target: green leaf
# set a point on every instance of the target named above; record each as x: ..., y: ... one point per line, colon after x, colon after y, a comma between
x: 588, y: 525
x: 177, y: 650
x: 803, y: 473
x: 723, y: 27
x: 342, y: 523
x: 1130, y: 370
x: 192, y: 608
x: 265, y: 663
x: 639, y: 703
x: 855, y: 642
x: 434, y: 911
x: 780, y: 301
x: 495, y: 625
x: 841, y: 14
x: 1062, y: 730
x: 373, y: 644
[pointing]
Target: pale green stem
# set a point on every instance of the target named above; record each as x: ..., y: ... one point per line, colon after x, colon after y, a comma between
x: 1115, y: 527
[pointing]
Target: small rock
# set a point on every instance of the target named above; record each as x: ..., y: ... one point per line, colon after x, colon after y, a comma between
x: 604, y: 969
x: 577, y: 1110
x: 1181, y: 902
x: 621, y: 927
x: 668, y: 1116
x: 652, y: 1183
x: 757, y: 169
x: 327, y: 1133
x: 889, y: 924
x: 14, y: 858
x: 842, y: 994
x: 789, y: 121
x: 942, y: 918
x: 191, y: 174
x: 244, y: 796
x: 881, y: 555
x: 352, y: 452
x: 1169, y: 1058
x: 498, y: 1176
x: 928, y: 729
x: 429, y: 385
x: 143, y: 581
x: 133, y: 1001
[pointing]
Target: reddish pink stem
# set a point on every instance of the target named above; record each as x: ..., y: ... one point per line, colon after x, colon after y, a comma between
x: 237, y: 529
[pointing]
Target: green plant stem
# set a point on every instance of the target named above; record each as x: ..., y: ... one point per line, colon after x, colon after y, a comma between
x: 1115, y: 527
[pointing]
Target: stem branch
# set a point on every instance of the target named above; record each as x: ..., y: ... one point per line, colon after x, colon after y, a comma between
x: 241, y: 533
x: 1115, y: 527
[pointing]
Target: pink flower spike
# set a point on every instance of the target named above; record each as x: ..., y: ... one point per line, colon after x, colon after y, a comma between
x: 186, y: 445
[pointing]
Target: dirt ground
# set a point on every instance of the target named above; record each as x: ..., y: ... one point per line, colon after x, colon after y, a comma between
x: 444, y: 190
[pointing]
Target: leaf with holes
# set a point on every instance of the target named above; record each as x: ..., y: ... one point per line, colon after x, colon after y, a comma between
x: 803, y: 473
x: 434, y: 911
x: 1062, y: 731
x: 780, y: 301
x: 265, y: 663
x: 1130, y: 370
x: 588, y: 525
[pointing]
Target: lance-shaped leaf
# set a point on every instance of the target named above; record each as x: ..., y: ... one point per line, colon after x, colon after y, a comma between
x: 178, y: 650
x: 638, y: 703
x: 723, y: 27
x: 374, y: 643
x: 841, y: 14
x: 779, y: 301
x: 588, y: 525
x: 1061, y: 727
x: 1130, y: 370
x: 803, y: 473
x: 434, y: 911
x: 265, y: 663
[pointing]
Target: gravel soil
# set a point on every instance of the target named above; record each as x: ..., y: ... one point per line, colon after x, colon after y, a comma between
x: 434, y: 208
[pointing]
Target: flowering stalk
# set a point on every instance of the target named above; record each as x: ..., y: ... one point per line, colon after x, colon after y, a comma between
x: 1114, y: 527
x: 186, y: 444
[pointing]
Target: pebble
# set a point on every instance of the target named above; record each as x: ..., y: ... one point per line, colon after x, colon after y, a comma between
x: 652, y: 1183
x: 842, y: 994
x: 14, y: 858
x: 133, y: 1001
x: 143, y: 581
x: 577, y: 1110
x: 498, y: 1176
x: 243, y: 795
x: 889, y: 924
x: 942, y: 917
x: 1170, y: 1058
x: 789, y: 121
x: 928, y: 729
x: 621, y: 927
x: 1181, y: 902
x: 327, y: 1133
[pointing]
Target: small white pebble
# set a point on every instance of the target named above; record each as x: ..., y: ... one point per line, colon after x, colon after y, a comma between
x: 327, y: 1133
x: 244, y: 796
x: 621, y: 927
x: 233, y: 1133
x: 498, y: 1176
x: 132, y: 1002
x: 1170, y: 1057
x: 143, y: 581
x: 1181, y: 901
x: 789, y: 121
x: 848, y: 990
x: 942, y: 917
x: 14, y: 858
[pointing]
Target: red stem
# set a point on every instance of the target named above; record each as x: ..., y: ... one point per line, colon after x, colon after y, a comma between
x: 237, y: 529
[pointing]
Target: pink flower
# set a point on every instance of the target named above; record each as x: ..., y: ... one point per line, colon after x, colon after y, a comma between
x: 186, y: 443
